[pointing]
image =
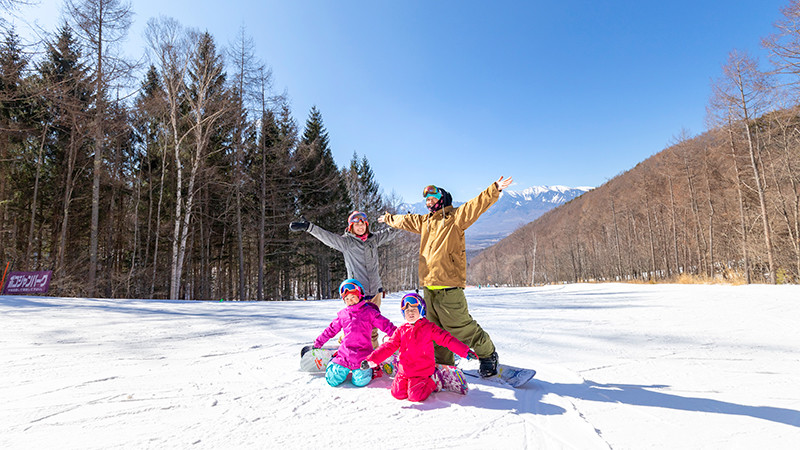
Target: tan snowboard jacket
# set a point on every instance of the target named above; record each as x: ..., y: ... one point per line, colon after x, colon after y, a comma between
x: 442, y: 251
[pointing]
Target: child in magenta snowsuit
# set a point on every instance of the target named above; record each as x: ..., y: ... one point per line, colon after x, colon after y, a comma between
x: 415, y: 362
x: 357, y: 321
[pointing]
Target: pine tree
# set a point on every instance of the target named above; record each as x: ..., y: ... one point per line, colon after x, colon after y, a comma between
x: 102, y: 24
x: 271, y: 172
x: 362, y: 188
x: 243, y: 139
x: 283, y: 200
x: 67, y: 97
x: 322, y: 198
x: 12, y: 64
x: 151, y: 155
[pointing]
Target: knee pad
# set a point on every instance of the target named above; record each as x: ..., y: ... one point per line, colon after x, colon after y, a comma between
x: 335, y: 374
x: 361, y: 377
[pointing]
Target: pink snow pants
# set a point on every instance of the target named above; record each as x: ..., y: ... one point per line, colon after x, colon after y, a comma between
x: 415, y: 389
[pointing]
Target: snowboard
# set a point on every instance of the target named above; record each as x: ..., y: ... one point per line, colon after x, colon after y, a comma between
x: 452, y: 379
x: 389, y: 366
x: 510, y: 375
x: 317, y: 359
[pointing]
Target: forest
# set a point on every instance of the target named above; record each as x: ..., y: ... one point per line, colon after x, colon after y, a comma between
x: 175, y: 176
x: 178, y: 185
x: 720, y: 206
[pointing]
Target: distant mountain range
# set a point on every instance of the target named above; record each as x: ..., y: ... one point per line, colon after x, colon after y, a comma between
x: 514, y: 209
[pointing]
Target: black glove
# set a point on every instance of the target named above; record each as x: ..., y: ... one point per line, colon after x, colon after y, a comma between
x: 364, y: 365
x: 299, y: 226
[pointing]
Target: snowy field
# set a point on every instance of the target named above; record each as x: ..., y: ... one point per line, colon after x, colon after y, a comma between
x: 619, y: 366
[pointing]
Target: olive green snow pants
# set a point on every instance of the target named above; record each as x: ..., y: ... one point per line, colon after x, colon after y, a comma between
x: 448, y: 309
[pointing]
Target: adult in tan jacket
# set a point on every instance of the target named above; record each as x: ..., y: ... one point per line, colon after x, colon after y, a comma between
x: 443, y: 266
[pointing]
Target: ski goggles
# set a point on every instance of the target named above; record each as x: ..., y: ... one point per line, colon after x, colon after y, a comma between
x: 357, y: 217
x: 350, y: 288
x: 412, y: 300
x: 432, y: 191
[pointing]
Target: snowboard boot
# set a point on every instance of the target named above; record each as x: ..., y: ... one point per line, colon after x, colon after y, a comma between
x: 488, y: 366
x: 437, y: 378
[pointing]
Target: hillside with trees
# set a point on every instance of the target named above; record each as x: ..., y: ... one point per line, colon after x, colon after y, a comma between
x: 178, y: 185
x: 721, y: 205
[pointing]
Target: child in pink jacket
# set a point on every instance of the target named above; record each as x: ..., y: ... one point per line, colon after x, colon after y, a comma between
x: 415, y: 361
x: 357, y: 321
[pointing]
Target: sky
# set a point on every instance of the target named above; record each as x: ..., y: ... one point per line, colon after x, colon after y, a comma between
x: 459, y: 93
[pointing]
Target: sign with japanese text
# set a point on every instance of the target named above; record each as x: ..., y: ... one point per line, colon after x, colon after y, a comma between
x: 28, y: 282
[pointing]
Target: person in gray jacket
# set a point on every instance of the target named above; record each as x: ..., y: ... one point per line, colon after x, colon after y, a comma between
x: 360, y: 250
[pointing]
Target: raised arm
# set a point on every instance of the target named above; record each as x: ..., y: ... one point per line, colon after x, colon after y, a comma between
x: 385, y: 236
x: 470, y: 211
x: 408, y: 222
x: 332, y: 240
x: 386, y: 349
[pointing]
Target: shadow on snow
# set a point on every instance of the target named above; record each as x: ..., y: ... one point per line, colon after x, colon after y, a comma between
x: 530, y: 400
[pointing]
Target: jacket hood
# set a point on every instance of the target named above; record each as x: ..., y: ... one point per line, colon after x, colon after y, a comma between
x: 447, y: 199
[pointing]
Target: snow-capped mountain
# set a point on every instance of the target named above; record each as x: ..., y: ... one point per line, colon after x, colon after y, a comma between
x: 514, y: 209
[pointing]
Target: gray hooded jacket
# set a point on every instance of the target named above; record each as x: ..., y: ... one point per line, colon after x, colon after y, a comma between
x: 360, y: 257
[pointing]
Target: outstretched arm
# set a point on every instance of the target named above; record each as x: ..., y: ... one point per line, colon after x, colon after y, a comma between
x: 332, y: 240
x: 470, y: 211
x: 408, y: 222
x: 386, y: 349
x: 387, y: 235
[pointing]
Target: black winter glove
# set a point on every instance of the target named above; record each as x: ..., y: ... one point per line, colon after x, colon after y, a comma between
x: 364, y: 365
x: 299, y: 226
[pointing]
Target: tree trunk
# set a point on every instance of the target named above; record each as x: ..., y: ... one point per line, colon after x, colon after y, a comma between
x: 158, y: 220
x: 68, y: 188
x: 650, y: 231
x: 98, y: 162
x: 711, y: 262
x: 616, y: 241
x: 740, y: 194
x: 674, y: 226
x: 762, y: 202
x: 35, y: 197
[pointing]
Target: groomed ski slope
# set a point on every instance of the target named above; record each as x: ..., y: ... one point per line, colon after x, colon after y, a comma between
x: 619, y: 366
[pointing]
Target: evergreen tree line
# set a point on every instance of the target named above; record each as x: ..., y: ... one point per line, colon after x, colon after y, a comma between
x: 183, y: 188
x: 721, y: 205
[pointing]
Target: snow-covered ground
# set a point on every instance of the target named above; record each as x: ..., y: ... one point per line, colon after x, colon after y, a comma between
x: 619, y: 366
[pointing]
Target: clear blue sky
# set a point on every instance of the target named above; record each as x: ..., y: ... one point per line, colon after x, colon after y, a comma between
x: 457, y: 93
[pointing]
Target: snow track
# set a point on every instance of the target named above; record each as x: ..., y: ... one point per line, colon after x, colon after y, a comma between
x: 619, y: 366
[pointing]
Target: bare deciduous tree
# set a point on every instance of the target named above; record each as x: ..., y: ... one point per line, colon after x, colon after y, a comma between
x: 102, y: 25
x: 744, y: 91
